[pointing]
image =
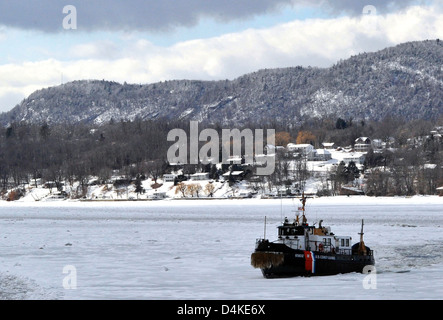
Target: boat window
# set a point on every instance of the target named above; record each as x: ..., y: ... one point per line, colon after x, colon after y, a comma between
x: 293, y: 231
x: 347, y: 242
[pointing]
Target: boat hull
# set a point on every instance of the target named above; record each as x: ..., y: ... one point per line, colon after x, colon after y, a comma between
x: 278, y: 260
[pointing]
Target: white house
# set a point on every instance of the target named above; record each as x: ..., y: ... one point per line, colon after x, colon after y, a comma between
x: 169, y: 177
x: 357, y: 158
x: 306, y: 150
x: 362, y: 144
x: 323, y: 155
x: 328, y: 145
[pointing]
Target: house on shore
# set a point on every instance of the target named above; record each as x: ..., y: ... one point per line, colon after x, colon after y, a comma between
x: 357, y: 158
x: 304, y: 150
x: 322, y: 155
x: 169, y: 177
x: 328, y: 145
x: 362, y: 144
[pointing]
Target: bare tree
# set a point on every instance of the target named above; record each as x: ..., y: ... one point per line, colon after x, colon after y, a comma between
x: 181, y: 188
x: 210, y: 189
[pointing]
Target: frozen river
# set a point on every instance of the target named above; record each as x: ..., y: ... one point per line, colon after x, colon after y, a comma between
x: 201, y: 249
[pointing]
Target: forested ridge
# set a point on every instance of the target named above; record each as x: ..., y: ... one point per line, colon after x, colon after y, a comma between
x: 405, y: 80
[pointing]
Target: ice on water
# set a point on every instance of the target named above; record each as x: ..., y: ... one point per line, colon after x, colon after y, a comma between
x: 201, y: 249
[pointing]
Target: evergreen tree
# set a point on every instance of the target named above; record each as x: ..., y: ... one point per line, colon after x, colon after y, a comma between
x: 352, y: 171
x: 138, y: 185
x: 341, y: 124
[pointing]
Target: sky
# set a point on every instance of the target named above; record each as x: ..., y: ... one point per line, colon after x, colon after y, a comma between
x: 46, y: 43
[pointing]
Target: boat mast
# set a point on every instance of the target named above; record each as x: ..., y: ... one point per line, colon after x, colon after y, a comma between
x: 361, y: 232
x: 303, y: 201
x: 361, y: 246
x: 265, y: 230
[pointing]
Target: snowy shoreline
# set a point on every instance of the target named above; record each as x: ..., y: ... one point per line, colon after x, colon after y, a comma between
x: 333, y: 200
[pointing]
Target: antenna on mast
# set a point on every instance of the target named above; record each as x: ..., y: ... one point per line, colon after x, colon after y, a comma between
x: 303, y: 201
x: 264, y: 237
x: 281, y: 206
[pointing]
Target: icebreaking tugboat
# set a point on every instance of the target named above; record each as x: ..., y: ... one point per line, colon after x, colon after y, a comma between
x: 304, y: 250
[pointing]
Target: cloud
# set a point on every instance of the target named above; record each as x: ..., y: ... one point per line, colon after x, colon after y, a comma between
x: 359, y: 6
x: 165, y: 15
x: 103, y: 49
x: 315, y: 42
x: 154, y: 15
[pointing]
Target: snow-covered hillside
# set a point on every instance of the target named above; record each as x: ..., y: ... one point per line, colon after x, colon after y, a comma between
x: 405, y: 81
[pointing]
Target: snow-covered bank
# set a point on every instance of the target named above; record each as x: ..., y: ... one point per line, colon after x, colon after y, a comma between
x: 151, y: 190
x: 333, y: 200
x: 366, y: 200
